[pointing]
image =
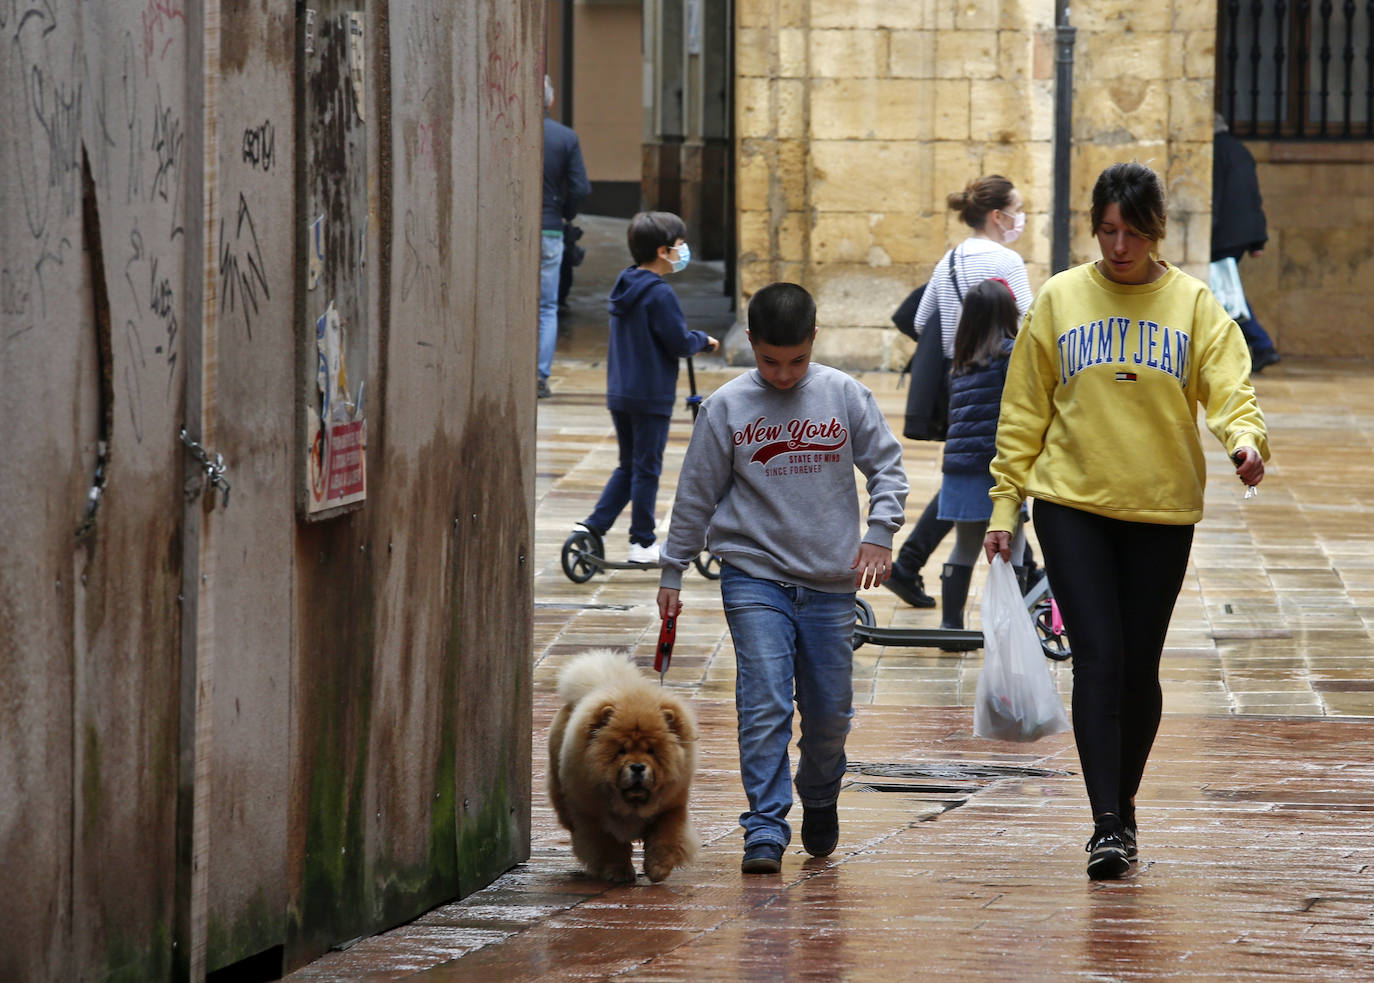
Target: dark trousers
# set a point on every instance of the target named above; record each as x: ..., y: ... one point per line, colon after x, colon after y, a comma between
x: 925, y: 536
x: 642, y: 437
x: 1116, y: 583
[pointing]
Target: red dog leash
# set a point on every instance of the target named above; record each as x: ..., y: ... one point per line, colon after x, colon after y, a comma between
x: 663, y: 654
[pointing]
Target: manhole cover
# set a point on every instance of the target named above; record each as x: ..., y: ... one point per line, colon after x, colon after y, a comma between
x: 957, y: 771
x: 565, y: 606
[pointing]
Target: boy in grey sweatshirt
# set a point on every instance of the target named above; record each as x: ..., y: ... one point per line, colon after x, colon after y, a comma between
x: 768, y: 486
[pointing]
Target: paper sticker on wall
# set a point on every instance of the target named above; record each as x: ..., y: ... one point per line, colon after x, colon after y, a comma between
x: 355, y: 59
x: 315, y: 247
x: 335, y: 429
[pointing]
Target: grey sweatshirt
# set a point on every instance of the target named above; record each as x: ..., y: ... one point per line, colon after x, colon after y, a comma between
x: 768, y: 481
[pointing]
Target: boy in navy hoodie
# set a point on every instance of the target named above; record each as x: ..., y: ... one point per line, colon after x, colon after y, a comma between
x: 648, y: 336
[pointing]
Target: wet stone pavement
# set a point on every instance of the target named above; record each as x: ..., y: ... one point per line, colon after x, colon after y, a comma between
x: 960, y: 857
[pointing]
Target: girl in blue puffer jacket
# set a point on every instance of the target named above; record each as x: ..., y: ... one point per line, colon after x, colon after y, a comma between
x: 982, y: 346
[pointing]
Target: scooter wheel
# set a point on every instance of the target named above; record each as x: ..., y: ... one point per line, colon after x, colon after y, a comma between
x: 1054, y: 644
x: 863, y: 618
x: 709, y: 567
x: 578, y: 549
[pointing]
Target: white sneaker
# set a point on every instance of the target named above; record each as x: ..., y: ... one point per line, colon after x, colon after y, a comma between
x: 644, y: 554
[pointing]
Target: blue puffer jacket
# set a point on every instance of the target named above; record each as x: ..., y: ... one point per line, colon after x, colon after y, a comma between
x: 975, y: 399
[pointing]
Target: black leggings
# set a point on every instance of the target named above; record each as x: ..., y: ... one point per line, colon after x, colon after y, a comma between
x: 1116, y: 583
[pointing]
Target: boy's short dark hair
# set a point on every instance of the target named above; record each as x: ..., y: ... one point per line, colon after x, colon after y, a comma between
x: 782, y: 314
x: 649, y: 230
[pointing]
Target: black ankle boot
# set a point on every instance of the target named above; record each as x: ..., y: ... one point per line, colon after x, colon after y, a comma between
x: 954, y: 581
x: 909, y: 587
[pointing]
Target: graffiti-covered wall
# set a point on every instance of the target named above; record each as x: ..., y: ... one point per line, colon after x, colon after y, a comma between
x: 267, y: 321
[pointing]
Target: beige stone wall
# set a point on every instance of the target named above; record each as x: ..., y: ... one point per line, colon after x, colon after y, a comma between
x: 1143, y: 90
x: 855, y: 118
x: 1312, y: 286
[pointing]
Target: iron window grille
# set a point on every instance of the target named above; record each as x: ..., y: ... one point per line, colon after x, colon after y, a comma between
x: 1296, y: 69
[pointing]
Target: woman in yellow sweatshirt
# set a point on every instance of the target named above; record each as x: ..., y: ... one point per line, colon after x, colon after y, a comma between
x: 1099, y: 425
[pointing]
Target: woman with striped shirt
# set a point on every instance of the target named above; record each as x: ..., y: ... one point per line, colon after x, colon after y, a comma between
x: 992, y: 208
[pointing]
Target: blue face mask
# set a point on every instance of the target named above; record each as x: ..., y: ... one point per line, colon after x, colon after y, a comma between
x: 684, y: 256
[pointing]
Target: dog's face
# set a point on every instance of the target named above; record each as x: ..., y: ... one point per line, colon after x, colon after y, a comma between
x: 638, y: 748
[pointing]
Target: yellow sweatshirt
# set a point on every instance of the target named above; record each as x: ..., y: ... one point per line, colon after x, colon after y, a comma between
x: 1099, y: 412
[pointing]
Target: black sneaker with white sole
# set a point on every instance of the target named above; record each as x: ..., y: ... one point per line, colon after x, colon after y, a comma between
x: 1107, y: 858
x: 1128, y: 838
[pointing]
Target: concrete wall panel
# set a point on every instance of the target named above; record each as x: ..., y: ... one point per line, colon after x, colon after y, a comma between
x: 363, y: 699
x: 254, y: 247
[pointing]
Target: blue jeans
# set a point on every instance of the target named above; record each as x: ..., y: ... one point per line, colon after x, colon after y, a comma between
x: 788, y: 639
x: 550, y: 260
x: 641, y: 437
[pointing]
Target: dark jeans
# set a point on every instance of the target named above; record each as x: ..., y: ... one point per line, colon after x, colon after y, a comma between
x: 641, y: 437
x: 1255, y: 336
x: 1116, y: 583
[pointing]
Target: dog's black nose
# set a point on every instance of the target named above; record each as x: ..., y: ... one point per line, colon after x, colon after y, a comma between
x: 637, y: 770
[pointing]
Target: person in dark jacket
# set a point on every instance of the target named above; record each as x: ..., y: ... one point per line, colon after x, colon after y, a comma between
x: 1238, y: 225
x: 648, y: 335
x: 982, y: 346
x: 565, y: 184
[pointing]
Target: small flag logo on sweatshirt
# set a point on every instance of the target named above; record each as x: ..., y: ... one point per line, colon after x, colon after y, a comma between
x: 1125, y: 377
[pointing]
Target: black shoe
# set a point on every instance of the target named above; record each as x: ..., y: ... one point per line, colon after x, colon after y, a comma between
x: 1260, y: 359
x: 820, y: 830
x: 909, y: 588
x: 1107, y: 858
x: 544, y: 391
x: 1128, y: 838
x: 762, y: 858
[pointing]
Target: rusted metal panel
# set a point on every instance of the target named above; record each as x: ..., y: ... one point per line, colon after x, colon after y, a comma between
x: 253, y: 252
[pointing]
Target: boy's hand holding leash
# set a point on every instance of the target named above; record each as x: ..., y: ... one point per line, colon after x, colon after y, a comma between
x: 669, y: 602
x: 874, y: 565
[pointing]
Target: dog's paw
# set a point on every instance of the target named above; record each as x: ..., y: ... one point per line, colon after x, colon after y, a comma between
x: 615, y: 873
x: 657, y: 870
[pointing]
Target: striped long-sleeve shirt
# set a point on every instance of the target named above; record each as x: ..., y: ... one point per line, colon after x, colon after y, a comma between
x: 975, y: 259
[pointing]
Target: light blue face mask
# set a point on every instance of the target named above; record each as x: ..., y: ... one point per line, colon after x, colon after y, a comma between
x: 684, y: 256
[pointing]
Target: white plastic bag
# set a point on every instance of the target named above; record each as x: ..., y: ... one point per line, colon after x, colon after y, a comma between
x: 1016, y: 698
x: 1224, y: 279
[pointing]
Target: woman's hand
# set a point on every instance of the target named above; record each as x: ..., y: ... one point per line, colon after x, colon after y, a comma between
x: 669, y: 603
x: 1249, y: 465
x: 997, y: 541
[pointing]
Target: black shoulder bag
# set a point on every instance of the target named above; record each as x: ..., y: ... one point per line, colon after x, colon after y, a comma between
x: 927, y: 402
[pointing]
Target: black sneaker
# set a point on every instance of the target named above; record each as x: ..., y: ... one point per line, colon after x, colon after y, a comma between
x: 543, y: 391
x: 909, y: 588
x: 1259, y: 360
x: 1107, y: 850
x: 820, y: 830
x: 1128, y: 838
x: 762, y: 858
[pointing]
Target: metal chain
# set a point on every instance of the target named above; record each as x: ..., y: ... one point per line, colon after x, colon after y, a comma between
x: 215, y: 468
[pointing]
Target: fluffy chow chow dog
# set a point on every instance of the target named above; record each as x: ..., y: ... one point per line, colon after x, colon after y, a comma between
x: 622, y: 752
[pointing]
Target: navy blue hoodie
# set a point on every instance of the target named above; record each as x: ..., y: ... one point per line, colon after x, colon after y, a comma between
x: 648, y: 336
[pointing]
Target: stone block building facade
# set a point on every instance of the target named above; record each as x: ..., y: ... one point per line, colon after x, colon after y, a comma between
x: 855, y: 119
x: 827, y: 146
